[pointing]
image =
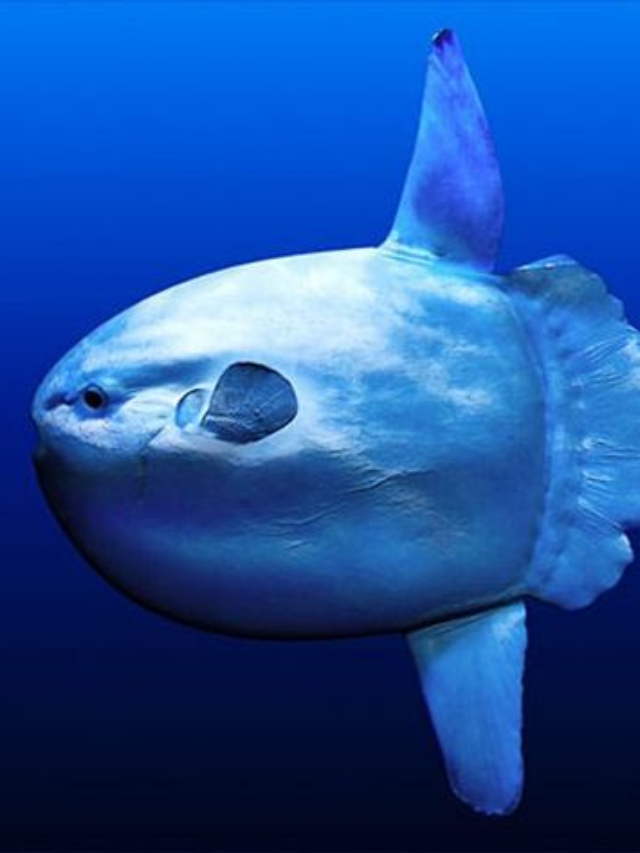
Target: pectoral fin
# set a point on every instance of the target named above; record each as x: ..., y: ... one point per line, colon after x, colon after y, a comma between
x: 249, y: 402
x: 471, y: 674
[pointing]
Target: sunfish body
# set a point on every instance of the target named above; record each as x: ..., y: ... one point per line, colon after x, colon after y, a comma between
x: 391, y: 439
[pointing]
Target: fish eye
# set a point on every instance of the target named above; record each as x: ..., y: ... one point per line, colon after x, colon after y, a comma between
x: 94, y: 398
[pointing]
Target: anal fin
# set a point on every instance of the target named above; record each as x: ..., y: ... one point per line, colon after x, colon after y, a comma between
x: 471, y: 673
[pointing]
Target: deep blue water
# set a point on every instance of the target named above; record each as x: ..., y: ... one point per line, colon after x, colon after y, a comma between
x: 143, y: 144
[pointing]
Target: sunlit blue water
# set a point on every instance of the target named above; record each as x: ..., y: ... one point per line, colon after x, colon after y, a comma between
x: 143, y: 144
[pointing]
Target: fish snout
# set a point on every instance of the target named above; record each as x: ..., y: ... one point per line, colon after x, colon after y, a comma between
x: 50, y: 396
x: 46, y: 400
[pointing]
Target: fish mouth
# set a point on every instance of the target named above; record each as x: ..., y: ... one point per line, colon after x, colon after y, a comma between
x: 46, y: 401
x: 36, y: 410
x: 37, y: 416
x: 48, y: 435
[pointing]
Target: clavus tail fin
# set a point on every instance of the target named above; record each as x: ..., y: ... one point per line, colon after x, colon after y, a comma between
x: 589, y: 360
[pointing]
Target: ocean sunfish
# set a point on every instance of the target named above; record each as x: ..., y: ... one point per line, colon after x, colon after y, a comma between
x: 390, y: 439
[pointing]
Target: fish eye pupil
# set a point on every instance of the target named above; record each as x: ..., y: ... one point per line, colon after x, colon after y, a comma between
x: 94, y: 398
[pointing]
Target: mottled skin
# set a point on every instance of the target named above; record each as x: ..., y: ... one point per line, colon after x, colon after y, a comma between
x: 407, y: 489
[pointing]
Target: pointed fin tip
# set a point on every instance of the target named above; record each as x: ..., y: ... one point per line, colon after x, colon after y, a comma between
x: 471, y: 672
x: 443, y: 38
x: 447, y: 53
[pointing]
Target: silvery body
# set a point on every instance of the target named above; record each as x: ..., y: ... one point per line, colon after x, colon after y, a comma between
x: 373, y: 440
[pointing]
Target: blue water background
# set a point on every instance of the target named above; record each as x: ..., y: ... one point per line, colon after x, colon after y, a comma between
x: 143, y: 144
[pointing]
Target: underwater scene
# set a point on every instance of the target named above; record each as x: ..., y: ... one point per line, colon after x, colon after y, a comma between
x: 327, y: 464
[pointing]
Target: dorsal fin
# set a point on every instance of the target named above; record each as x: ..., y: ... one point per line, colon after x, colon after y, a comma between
x: 451, y: 205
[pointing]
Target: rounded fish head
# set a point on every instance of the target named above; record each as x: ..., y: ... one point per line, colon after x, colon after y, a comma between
x: 305, y: 446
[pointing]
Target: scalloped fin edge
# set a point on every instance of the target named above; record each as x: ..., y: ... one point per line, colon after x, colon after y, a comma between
x: 589, y: 360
